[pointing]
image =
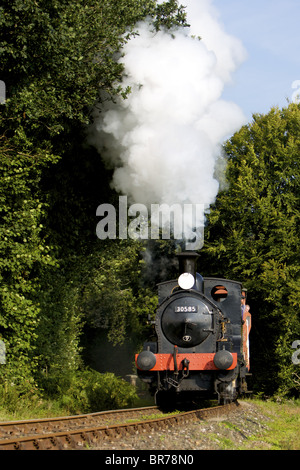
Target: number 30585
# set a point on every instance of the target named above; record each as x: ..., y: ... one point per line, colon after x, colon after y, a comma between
x: 186, y: 308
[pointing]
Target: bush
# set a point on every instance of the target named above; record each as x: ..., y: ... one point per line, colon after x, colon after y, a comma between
x: 106, y: 391
x: 94, y: 392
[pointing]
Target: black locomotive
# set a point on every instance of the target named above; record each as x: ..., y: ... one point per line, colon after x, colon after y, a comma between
x: 201, y: 347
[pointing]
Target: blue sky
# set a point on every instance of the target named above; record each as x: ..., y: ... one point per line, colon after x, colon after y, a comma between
x: 270, y: 33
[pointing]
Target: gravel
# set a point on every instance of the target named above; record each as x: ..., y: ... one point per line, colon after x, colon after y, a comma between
x: 242, y: 429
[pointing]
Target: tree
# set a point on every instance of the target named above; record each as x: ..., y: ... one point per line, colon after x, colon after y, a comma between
x: 24, y: 252
x: 253, y: 236
x: 56, y: 58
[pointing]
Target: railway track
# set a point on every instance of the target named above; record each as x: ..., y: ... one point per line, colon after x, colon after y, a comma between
x: 85, y: 431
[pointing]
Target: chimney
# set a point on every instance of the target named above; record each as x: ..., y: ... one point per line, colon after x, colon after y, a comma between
x: 188, y: 262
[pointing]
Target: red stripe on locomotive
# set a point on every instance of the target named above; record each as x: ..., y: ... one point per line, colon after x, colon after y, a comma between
x: 198, y: 361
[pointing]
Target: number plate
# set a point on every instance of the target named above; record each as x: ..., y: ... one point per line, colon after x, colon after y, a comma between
x: 186, y: 308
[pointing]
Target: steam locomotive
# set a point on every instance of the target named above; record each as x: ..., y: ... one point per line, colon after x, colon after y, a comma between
x: 201, y: 346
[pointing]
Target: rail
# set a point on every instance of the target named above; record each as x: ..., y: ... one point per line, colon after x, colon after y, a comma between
x: 85, y: 431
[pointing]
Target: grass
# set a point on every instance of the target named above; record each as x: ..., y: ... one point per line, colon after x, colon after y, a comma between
x: 36, y: 410
x: 282, y: 431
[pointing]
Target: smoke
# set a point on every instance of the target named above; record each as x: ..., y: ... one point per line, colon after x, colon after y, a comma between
x: 163, y: 141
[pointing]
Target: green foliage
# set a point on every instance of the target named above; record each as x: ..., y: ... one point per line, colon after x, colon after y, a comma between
x: 114, y: 297
x: 170, y: 14
x: 57, y: 57
x: 88, y: 391
x: 92, y: 392
x: 253, y: 236
x: 59, y: 329
x: 24, y: 251
x: 107, y: 392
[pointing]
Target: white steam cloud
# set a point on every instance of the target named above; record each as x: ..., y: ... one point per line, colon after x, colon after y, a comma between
x: 164, y: 139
